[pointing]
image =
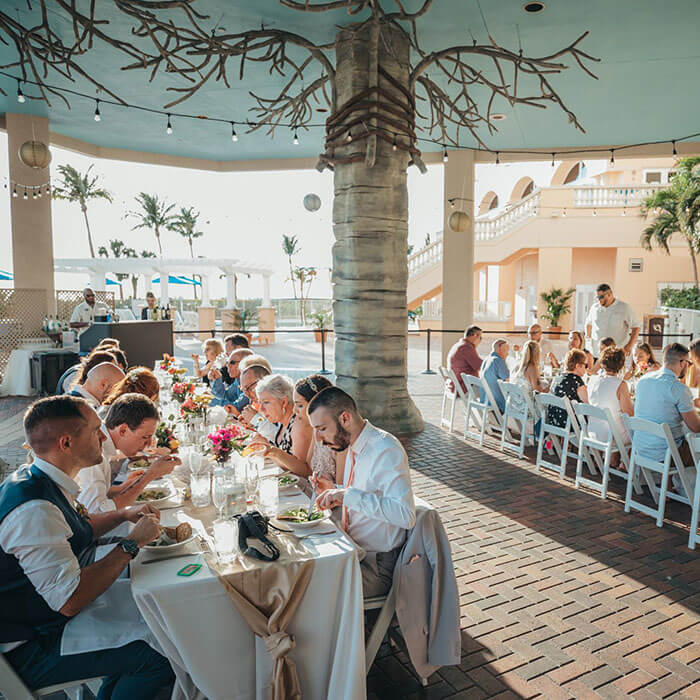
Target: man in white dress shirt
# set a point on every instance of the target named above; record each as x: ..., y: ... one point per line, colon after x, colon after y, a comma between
x: 100, y: 380
x: 610, y: 317
x: 376, y: 495
x: 84, y: 313
x: 129, y: 427
x: 46, y: 546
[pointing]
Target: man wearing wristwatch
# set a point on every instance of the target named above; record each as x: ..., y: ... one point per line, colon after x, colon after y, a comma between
x: 48, y: 572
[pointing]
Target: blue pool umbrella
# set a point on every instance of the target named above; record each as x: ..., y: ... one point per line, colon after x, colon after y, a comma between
x: 178, y: 279
x: 4, y: 276
x: 112, y: 282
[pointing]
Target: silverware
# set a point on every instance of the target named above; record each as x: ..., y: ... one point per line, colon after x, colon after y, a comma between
x: 173, y: 556
x: 316, y: 534
x: 311, y: 504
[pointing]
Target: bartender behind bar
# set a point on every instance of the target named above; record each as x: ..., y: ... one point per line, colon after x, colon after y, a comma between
x: 149, y: 313
x: 85, y: 312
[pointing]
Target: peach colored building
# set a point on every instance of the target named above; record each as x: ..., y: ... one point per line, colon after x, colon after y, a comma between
x: 575, y: 231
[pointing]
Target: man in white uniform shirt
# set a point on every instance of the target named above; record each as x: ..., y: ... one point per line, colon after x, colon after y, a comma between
x: 610, y: 317
x: 129, y: 427
x: 84, y: 313
x: 46, y: 546
x: 100, y: 380
x: 376, y: 497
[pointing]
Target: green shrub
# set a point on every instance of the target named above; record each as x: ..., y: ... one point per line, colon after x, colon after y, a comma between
x: 688, y: 298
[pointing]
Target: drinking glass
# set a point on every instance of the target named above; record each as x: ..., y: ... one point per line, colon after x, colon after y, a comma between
x: 197, y: 461
x: 236, y: 494
x: 200, y: 486
x: 226, y: 537
x: 269, y: 497
x: 252, y: 477
x: 219, y: 490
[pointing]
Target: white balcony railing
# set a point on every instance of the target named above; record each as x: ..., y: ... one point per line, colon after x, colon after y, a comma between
x: 487, y: 229
x: 432, y: 309
x: 425, y: 257
x: 622, y: 196
x: 492, y: 310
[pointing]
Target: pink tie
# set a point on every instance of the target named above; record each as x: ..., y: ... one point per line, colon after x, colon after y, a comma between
x: 348, y: 483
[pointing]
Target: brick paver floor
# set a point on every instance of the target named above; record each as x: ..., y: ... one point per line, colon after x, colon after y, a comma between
x: 562, y: 595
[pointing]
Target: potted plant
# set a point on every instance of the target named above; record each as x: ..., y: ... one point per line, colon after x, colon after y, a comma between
x: 245, y: 317
x: 557, y: 302
x: 320, y: 320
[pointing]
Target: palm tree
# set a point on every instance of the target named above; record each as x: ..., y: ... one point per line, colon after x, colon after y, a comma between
x: 676, y: 210
x: 135, y: 278
x: 119, y: 250
x: 185, y: 224
x: 74, y: 187
x: 155, y: 213
x: 290, y: 246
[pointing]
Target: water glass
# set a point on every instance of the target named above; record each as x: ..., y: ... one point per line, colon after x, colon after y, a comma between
x: 252, y: 477
x: 219, y: 489
x: 236, y: 495
x: 200, y: 487
x: 269, y: 497
x: 226, y: 537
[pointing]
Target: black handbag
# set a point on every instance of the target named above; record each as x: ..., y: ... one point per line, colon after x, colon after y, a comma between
x: 255, y: 525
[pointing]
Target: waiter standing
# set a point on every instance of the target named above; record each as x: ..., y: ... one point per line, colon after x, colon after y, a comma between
x: 610, y: 317
x: 84, y: 313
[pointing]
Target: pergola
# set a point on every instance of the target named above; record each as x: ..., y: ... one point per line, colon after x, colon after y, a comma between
x: 98, y: 268
x: 366, y: 88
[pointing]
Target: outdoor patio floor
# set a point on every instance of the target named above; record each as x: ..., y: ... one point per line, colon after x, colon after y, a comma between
x: 563, y: 595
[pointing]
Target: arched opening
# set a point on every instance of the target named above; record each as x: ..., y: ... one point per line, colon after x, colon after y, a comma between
x: 568, y: 172
x: 488, y: 202
x: 523, y: 187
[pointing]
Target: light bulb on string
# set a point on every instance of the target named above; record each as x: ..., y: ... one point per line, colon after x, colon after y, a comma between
x: 48, y: 190
x: 169, y: 127
x: 452, y: 203
x: 675, y: 151
x: 234, y: 135
x: 624, y: 212
x: 14, y: 191
x: 97, y: 116
x: 296, y: 138
x: 348, y: 138
x: 595, y: 213
x: 552, y: 159
x: 20, y: 95
x: 445, y: 157
x: 394, y: 145
x: 612, y: 156
x: 498, y: 159
x: 34, y: 194
x: 38, y: 192
x: 25, y: 195
x: 564, y: 213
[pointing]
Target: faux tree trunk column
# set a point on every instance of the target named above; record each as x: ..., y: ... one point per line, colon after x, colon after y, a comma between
x: 370, y: 220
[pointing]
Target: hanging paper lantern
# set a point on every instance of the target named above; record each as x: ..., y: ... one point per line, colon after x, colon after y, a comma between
x: 312, y: 202
x: 35, y: 154
x: 459, y: 221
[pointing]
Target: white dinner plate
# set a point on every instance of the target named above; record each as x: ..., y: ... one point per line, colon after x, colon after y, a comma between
x: 287, y: 488
x: 288, y: 524
x: 166, y: 486
x: 168, y: 547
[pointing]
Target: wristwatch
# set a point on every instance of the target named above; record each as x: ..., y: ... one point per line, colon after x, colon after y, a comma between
x: 130, y: 547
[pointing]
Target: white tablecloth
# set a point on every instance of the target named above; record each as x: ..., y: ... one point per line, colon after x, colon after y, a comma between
x: 17, y: 380
x: 213, y: 650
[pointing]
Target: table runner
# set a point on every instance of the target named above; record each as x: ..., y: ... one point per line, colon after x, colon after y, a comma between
x: 267, y: 594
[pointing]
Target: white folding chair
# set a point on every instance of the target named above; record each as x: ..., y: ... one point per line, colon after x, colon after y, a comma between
x: 495, y: 417
x: 520, y: 411
x: 666, y: 468
x: 13, y: 688
x: 560, y: 437
x: 477, y: 406
x: 449, y: 396
x: 694, y: 444
x: 597, y: 453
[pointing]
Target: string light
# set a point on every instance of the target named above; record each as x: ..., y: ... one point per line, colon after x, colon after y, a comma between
x: 675, y: 152
x: 498, y: 159
x: 296, y: 138
x: 38, y: 193
x: 169, y: 127
x: 348, y: 138
x: 564, y: 213
x: 25, y: 195
x: 20, y: 95
x: 48, y: 190
x: 612, y: 156
x: 624, y: 212
x: 97, y: 116
x: 552, y: 159
x: 234, y: 135
x: 595, y: 213
x: 445, y: 157
x: 14, y: 191
x: 394, y: 145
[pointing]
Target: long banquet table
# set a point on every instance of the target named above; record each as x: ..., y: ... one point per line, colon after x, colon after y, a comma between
x: 216, y: 655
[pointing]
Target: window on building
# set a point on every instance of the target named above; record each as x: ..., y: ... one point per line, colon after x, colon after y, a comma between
x: 652, y: 177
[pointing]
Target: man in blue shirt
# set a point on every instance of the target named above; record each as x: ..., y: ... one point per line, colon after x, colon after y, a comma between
x: 495, y: 368
x: 228, y: 392
x: 662, y: 398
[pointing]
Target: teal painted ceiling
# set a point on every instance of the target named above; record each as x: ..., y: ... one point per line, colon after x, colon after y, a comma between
x: 648, y: 87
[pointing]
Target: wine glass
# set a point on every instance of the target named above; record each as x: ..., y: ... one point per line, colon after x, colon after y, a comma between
x: 252, y: 477
x: 220, y: 490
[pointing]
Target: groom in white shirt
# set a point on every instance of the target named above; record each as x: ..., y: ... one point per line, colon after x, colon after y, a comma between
x: 376, y: 495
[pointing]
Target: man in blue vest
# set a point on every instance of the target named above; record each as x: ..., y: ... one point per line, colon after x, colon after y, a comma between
x: 47, y: 568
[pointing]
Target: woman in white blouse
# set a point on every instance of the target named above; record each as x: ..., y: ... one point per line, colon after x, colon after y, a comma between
x: 608, y: 390
x: 527, y: 375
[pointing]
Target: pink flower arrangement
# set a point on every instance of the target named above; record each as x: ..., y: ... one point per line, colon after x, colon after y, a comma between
x: 224, y: 441
x: 181, y: 390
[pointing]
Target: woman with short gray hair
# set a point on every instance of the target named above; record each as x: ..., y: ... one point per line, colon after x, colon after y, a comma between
x: 276, y: 397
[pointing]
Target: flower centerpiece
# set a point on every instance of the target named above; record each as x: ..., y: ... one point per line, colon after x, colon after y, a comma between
x: 224, y: 441
x: 177, y: 372
x: 181, y: 390
x: 165, y: 437
x: 195, y: 405
x: 641, y: 368
x: 167, y: 362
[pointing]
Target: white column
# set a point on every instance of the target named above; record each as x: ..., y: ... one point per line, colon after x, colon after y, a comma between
x: 32, y: 240
x: 147, y: 278
x: 164, y: 289
x: 97, y: 281
x: 205, y: 290
x: 230, y: 290
x: 457, y: 249
x: 266, y: 291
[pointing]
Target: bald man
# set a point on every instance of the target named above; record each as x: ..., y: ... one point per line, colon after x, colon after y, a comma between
x: 84, y: 313
x: 534, y: 332
x: 100, y: 380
